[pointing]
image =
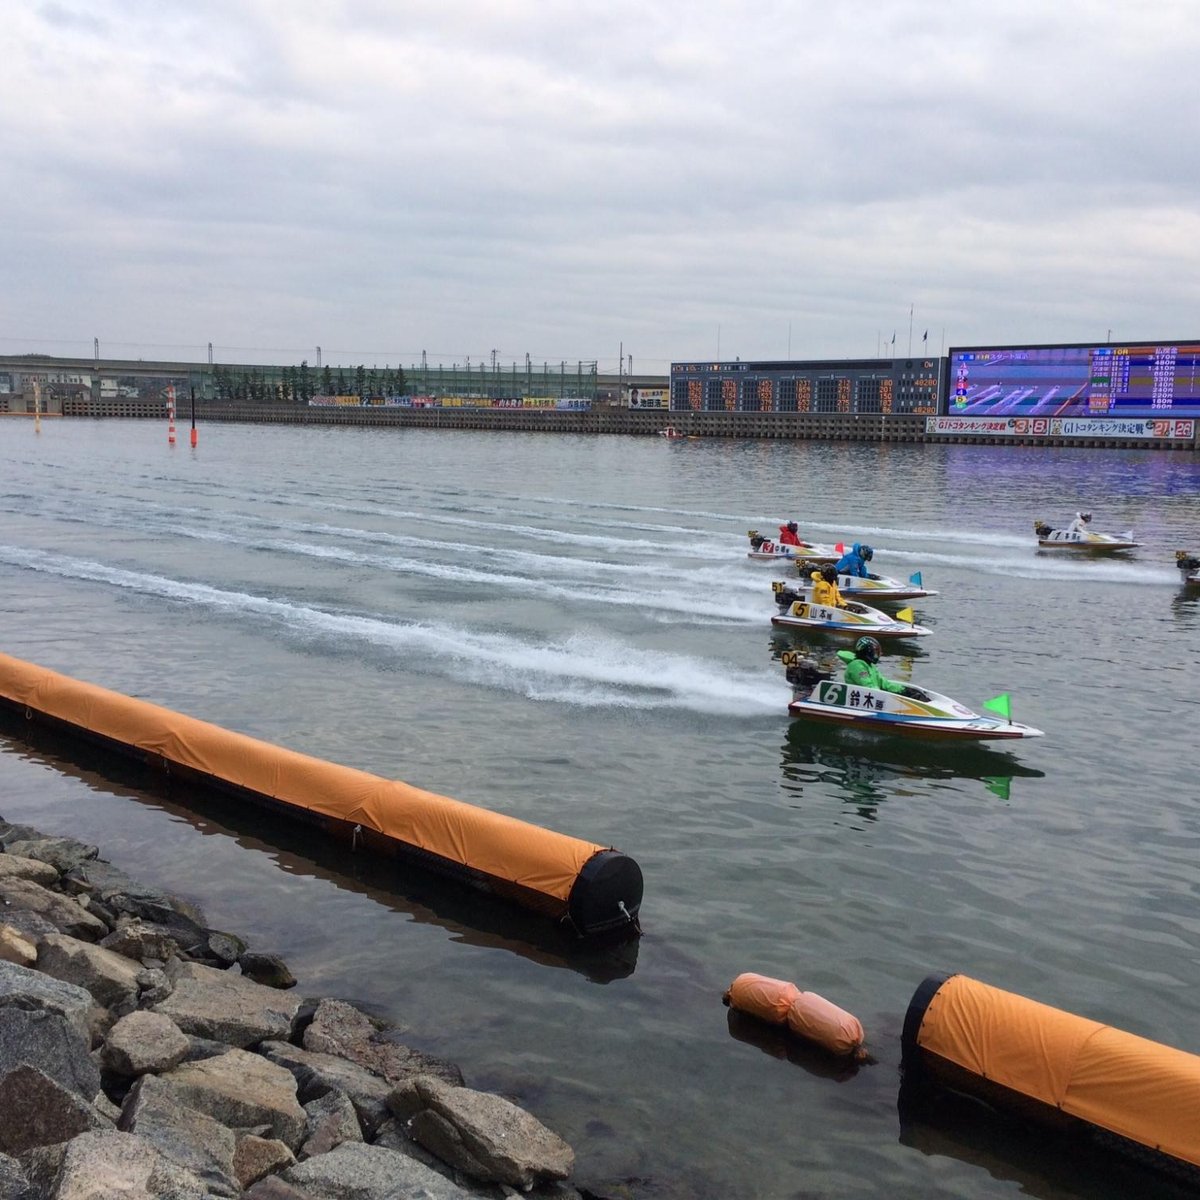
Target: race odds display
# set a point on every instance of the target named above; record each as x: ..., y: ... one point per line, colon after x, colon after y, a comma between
x: 1142, y: 380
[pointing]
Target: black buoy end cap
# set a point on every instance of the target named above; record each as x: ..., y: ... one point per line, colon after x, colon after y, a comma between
x: 607, y: 894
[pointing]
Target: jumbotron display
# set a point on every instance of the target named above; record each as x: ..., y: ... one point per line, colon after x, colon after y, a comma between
x: 1140, y: 380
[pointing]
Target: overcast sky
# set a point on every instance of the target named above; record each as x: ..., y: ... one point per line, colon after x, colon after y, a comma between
x: 383, y: 177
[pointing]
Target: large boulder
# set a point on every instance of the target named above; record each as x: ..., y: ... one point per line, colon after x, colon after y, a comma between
x: 143, y: 1043
x: 36, y: 1110
x: 52, y: 1044
x: 64, y: 913
x: 110, y: 978
x: 339, y: 1028
x: 21, y: 987
x: 354, y: 1171
x: 188, y: 1137
x: 17, y: 866
x: 140, y: 940
x: 96, y: 1166
x: 216, y: 1004
x: 243, y: 1091
x: 317, y: 1074
x: 482, y: 1135
x: 62, y: 853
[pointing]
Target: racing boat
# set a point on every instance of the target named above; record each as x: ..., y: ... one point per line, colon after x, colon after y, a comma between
x: 851, y: 620
x: 773, y: 551
x: 817, y: 696
x: 676, y: 435
x: 1189, y: 568
x: 873, y: 587
x: 1082, y: 541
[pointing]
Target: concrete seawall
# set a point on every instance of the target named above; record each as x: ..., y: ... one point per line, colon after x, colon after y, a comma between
x: 842, y: 427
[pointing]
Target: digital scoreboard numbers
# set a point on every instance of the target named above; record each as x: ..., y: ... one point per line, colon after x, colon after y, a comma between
x: 1135, y: 380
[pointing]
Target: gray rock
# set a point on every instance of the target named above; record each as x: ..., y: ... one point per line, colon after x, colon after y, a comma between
x: 50, y: 1042
x: 339, y: 1028
x: 273, y: 1188
x: 393, y: 1135
x: 199, y: 1048
x: 22, y: 988
x: 225, y: 948
x: 217, y: 1004
x: 187, y: 1137
x: 139, y: 940
x: 14, y: 1183
x: 97, y: 1166
x: 484, y: 1136
x: 62, y: 853
x: 143, y: 1043
x: 256, y: 1157
x: 317, y: 1074
x: 330, y: 1120
x: 28, y: 924
x: 268, y: 969
x: 62, y: 912
x: 16, y: 866
x: 154, y: 986
x: 36, y: 1110
x: 354, y: 1171
x: 242, y: 1090
x: 109, y: 977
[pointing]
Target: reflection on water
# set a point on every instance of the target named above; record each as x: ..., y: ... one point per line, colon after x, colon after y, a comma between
x: 776, y: 1041
x: 1041, y: 1162
x: 472, y: 916
x: 868, y: 768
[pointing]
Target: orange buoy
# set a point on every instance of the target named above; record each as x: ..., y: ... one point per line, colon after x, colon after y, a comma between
x: 804, y: 1013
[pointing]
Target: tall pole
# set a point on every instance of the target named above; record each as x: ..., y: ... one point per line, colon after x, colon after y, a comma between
x: 910, y: 319
x: 620, y: 372
x: 195, y: 437
x: 318, y: 358
x: 37, y: 406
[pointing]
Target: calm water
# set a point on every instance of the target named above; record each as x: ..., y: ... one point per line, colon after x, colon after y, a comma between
x: 567, y: 629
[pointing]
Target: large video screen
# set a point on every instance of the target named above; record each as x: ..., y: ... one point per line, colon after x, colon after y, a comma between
x: 1140, y: 380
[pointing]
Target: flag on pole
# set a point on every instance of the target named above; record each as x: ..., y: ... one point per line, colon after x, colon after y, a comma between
x: 906, y: 614
x: 1001, y: 704
x: 893, y: 337
x: 925, y: 336
x: 915, y: 579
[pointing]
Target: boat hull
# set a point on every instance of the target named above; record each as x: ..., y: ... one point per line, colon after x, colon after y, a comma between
x: 922, y: 714
x: 822, y: 618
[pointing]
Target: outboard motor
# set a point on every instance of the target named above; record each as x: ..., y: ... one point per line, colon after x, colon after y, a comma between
x: 785, y: 596
x: 1042, y: 529
x: 802, y: 673
x: 756, y: 539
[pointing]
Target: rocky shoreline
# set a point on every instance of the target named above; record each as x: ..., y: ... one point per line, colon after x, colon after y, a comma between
x: 146, y: 1055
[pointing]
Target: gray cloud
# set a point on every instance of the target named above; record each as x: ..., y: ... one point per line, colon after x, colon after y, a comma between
x: 560, y: 179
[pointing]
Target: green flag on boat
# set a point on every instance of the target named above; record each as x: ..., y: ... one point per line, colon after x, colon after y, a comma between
x: 1001, y: 704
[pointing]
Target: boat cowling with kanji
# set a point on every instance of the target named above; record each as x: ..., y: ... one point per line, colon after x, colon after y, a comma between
x: 919, y: 712
x: 849, y: 620
x: 776, y: 551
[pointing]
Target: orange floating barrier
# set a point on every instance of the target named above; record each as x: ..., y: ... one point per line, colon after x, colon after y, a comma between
x: 1121, y: 1091
x: 593, y: 888
x: 805, y: 1013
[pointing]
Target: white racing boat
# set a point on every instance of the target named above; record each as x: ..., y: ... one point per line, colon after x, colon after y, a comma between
x: 871, y: 588
x: 851, y: 620
x: 1189, y: 568
x: 916, y: 712
x: 1082, y: 541
x: 775, y: 551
